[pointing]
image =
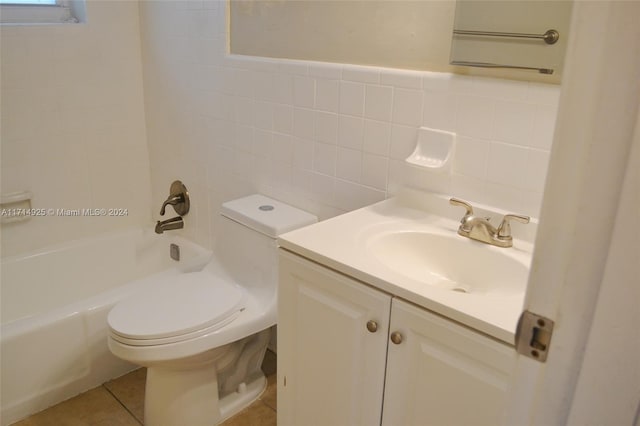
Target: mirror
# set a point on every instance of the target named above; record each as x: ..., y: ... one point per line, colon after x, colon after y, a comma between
x: 403, y: 34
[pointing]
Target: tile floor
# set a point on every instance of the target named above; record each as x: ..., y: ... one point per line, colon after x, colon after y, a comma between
x: 120, y: 403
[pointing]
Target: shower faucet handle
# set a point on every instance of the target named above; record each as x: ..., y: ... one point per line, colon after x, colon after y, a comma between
x: 178, y: 198
x: 174, y: 201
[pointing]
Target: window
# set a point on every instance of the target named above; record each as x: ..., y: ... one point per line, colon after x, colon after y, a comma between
x: 41, y: 11
x: 50, y: 2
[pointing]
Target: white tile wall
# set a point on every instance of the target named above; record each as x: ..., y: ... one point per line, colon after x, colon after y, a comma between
x: 326, y: 127
x: 471, y: 157
x: 325, y: 158
x: 378, y: 102
x: 350, y: 132
x: 407, y: 106
x: 327, y: 137
x: 377, y: 136
x: 351, y: 98
x: 349, y: 164
x: 327, y: 95
x: 304, y: 90
x: 73, y: 124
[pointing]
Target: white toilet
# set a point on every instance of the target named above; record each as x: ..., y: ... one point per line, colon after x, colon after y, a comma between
x: 202, y: 335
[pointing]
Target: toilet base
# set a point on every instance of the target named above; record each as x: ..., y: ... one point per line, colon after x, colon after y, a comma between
x: 187, y: 391
x: 172, y: 398
x: 181, y: 397
x: 235, y: 402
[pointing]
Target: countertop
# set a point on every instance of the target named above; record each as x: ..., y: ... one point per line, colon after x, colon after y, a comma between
x: 341, y: 243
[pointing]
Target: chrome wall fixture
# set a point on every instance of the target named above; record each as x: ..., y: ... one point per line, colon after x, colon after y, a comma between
x: 549, y: 37
x: 490, y: 65
x: 179, y: 199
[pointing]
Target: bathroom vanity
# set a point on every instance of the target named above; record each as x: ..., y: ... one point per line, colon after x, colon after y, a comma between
x: 364, y: 339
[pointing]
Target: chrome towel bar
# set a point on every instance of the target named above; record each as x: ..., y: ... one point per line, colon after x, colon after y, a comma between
x: 490, y: 65
x: 549, y: 37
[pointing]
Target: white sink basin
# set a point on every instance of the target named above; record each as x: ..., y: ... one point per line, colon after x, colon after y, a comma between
x: 450, y: 262
x: 408, y: 246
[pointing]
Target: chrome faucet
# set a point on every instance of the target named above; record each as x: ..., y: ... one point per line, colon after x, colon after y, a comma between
x: 169, y: 224
x: 480, y: 229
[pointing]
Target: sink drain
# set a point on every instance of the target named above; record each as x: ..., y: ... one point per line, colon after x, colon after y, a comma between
x: 460, y: 289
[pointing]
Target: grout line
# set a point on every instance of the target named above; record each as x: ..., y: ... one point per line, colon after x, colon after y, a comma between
x: 123, y: 406
x: 269, y: 406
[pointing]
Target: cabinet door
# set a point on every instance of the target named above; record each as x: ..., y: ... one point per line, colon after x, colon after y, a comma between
x: 330, y: 365
x: 442, y: 373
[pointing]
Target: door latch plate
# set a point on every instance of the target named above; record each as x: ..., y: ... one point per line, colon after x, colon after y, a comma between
x: 533, y: 336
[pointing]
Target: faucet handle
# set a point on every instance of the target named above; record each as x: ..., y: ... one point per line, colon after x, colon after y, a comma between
x: 178, y: 198
x: 173, y: 200
x: 458, y: 202
x: 504, y: 230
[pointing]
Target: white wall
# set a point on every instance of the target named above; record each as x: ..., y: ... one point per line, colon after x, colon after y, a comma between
x: 73, y: 128
x: 325, y: 137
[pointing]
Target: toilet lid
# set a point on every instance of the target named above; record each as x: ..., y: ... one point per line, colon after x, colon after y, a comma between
x: 177, y: 305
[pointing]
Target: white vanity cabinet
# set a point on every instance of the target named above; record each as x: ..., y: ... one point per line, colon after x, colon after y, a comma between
x: 349, y: 354
x: 442, y: 373
x: 330, y: 367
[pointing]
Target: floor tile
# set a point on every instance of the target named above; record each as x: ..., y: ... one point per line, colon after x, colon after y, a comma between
x: 93, y: 408
x: 129, y: 390
x: 269, y: 364
x: 270, y: 396
x: 258, y: 414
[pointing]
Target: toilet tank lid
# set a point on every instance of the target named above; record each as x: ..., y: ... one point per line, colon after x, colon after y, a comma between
x: 266, y: 215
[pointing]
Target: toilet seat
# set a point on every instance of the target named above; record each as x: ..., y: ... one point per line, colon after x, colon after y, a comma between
x: 180, y: 307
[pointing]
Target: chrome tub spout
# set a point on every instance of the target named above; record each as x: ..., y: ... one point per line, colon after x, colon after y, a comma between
x: 169, y: 224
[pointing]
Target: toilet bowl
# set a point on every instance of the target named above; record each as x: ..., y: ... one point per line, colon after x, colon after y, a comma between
x: 202, y: 335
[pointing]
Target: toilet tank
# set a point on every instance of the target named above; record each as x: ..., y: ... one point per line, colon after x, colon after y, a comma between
x: 246, y: 237
x: 265, y: 215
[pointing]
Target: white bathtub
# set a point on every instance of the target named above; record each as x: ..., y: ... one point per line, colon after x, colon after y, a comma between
x: 54, y: 306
